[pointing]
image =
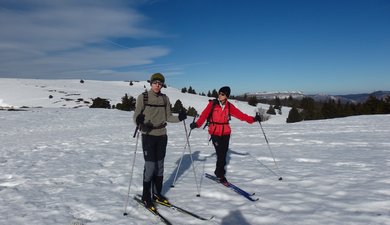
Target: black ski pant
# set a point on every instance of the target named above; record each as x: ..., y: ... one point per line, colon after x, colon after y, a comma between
x: 221, y: 145
x: 154, y: 149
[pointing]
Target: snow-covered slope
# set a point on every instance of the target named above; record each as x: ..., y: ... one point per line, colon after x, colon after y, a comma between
x: 61, y: 165
x: 74, y: 94
x: 72, y: 166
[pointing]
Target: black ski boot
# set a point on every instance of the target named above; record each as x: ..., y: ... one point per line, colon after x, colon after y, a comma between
x: 157, y: 196
x: 146, y: 197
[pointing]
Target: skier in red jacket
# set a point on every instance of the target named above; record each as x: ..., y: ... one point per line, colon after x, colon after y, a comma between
x: 217, y: 113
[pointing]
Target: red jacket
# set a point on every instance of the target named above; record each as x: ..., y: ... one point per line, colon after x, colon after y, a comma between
x: 219, y: 121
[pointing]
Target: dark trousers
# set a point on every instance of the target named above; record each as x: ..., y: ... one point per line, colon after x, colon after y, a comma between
x: 154, y: 149
x: 221, y: 145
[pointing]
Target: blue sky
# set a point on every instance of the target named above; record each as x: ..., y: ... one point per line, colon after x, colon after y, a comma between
x: 324, y: 46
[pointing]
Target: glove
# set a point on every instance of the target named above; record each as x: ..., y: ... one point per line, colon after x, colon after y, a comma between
x: 193, y: 125
x: 257, y: 118
x: 147, y: 127
x: 140, y: 119
x: 182, y: 115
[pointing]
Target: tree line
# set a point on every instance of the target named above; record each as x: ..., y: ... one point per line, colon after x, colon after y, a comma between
x: 128, y: 104
x: 301, y: 109
x: 309, y: 109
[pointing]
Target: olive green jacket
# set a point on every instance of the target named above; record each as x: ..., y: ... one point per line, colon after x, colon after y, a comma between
x: 154, y: 115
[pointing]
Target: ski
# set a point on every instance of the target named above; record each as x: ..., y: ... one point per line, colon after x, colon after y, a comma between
x: 154, y: 212
x: 179, y: 209
x: 233, y: 187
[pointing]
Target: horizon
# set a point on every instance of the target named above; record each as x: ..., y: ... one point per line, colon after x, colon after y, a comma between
x: 205, y: 92
x: 335, y: 48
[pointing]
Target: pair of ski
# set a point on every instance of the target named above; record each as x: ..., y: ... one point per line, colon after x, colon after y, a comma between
x: 236, y: 189
x: 227, y: 184
x: 171, y: 206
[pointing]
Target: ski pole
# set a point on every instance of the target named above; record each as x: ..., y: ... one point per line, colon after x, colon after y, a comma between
x: 269, y: 147
x: 136, y: 133
x: 181, y: 159
x: 265, y: 166
x: 192, y: 160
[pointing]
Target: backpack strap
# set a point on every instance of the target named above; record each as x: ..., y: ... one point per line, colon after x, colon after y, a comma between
x: 145, y: 95
x: 146, y: 98
x: 209, y: 117
x: 229, y: 116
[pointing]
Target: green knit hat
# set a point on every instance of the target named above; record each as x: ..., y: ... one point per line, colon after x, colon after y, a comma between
x: 157, y: 76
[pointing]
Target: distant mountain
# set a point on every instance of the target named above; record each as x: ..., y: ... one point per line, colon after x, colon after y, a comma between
x: 363, y: 97
x: 273, y: 95
x: 325, y: 98
x: 353, y: 98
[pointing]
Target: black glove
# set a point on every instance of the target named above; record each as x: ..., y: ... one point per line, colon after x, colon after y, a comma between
x: 140, y: 119
x: 147, y: 127
x: 257, y: 118
x: 182, y: 115
x: 193, y: 125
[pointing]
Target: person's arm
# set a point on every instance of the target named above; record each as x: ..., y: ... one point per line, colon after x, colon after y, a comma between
x: 235, y: 112
x: 170, y: 117
x: 138, y: 107
x: 203, y: 116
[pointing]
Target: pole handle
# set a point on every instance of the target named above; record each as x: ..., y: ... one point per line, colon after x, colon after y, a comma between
x: 135, y: 131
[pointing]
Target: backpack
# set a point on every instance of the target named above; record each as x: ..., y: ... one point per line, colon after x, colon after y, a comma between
x: 146, y: 98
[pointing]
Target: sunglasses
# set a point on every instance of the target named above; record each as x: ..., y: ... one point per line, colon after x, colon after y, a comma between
x: 157, y: 83
x: 222, y: 94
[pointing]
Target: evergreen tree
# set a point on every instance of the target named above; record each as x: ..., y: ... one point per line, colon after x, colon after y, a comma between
x: 100, y: 103
x: 372, y: 105
x: 178, y: 107
x: 329, y: 109
x: 191, y: 90
x: 128, y: 103
x: 309, y: 109
x: 290, y: 101
x: 278, y: 103
x: 214, y: 94
x: 184, y: 90
x: 253, y: 101
x: 271, y: 110
x: 294, y: 116
x: 386, y: 108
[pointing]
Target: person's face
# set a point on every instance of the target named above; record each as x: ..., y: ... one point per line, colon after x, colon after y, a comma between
x: 156, y: 86
x: 222, y: 97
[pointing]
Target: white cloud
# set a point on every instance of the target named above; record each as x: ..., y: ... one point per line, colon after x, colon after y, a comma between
x: 50, y: 38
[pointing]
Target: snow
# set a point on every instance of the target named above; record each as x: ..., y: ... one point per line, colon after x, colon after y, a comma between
x: 65, y: 165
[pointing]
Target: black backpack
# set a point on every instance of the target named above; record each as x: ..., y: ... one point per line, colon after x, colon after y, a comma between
x: 146, y: 98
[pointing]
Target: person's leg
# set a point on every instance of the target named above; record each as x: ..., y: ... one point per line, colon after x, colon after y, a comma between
x: 161, y: 146
x: 148, y: 145
x: 221, y: 145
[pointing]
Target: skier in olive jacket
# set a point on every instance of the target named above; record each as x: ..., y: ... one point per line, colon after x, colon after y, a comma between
x: 152, y: 112
x: 217, y: 113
